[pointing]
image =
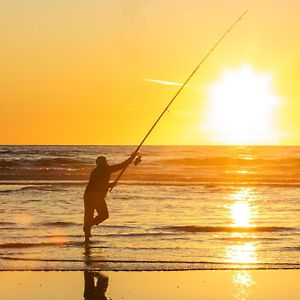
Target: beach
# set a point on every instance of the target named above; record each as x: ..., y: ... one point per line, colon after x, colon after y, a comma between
x: 150, y: 150
x: 204, y: 284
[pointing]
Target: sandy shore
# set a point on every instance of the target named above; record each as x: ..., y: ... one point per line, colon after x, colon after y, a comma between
x: 265, y: 284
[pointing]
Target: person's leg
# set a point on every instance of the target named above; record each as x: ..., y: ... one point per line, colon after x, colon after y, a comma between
x: 103, y: 213
x: 88, y: 220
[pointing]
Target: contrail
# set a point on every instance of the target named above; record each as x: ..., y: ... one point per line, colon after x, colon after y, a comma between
x: 163, y: 82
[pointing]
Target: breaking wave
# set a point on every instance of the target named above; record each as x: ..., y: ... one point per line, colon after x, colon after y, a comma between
x: 227, y: 229
x: 42, y: 162
x: 32, y: 245
x: 58, y: 224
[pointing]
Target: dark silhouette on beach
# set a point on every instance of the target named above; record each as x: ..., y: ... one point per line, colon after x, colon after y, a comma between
x: 87, y: 254
x: 92, y: 291
x: 95, y: 193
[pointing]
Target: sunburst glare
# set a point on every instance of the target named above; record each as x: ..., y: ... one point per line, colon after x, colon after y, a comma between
x: 241, y: 108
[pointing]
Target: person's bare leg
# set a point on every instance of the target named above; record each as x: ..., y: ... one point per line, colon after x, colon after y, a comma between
x: 88, y: 222
x: 103, y: 214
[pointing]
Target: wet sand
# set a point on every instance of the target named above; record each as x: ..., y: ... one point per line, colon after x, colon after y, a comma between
x: 258, y: 284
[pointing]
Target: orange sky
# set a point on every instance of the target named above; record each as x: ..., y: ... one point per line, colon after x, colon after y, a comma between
x: 72, y: 71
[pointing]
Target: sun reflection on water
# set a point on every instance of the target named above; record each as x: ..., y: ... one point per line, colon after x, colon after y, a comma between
x: 243, y: 285
x: 243, y: 278
x: 242, y: 210
x: 243, y: 213
x: 241, y: 253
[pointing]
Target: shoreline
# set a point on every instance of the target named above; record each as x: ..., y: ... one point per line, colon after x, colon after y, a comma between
x: 148, y: 285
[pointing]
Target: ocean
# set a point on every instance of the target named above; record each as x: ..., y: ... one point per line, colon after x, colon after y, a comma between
x: 182, y: 208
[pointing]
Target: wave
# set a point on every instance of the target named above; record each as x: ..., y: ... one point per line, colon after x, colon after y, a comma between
x: 7, y: 191
x: 58, y: 224
x: 226, y: 162
x: 25, y: 245
x: 177, y: 262
x: 226, y: 229
x: 147, y: 176
x: 150, y: 234
x: 232, y: 161
x: 118, y: 226
x: 57, y: 150
x: 290, y: 248
x: 56, y: 159
x: 214, y: 185
x: 247, y: 239
x: 43, y: 244
x: 43, y: 162
x: 15, y: 226
x: 50, y: 188
x: 7, y: 223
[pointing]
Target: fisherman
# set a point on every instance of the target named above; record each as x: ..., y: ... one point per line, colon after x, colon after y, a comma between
x: 96, y: 190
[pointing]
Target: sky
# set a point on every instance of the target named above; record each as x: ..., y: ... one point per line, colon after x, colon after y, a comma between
x: 89, y: 72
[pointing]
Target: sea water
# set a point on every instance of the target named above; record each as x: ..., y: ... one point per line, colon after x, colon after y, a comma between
x: 182, y: 208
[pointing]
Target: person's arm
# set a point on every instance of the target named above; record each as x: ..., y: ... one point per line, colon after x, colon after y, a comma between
x: 125, y: 163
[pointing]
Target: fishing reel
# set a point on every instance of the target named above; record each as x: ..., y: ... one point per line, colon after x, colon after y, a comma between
x: 137, y: 160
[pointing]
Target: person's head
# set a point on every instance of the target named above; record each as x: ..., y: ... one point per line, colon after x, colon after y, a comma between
x: 101, y: 161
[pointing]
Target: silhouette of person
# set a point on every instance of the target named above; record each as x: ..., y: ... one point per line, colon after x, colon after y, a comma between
x: 92, y: 292
x: 87, y: 254
x: 96, y: 190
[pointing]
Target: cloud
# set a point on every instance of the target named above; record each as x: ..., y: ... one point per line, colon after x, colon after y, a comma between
x: 163, y: 82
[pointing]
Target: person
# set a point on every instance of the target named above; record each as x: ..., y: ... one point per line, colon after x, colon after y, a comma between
x: 92, y: 291
x: 96, y: 190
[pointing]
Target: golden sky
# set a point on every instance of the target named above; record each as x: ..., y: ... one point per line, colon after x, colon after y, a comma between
x: 72, y: 71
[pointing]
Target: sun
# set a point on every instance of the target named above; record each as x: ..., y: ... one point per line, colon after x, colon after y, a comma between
x: 240, y: 108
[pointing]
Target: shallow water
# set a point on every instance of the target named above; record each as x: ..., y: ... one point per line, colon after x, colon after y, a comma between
x: 181, y: 208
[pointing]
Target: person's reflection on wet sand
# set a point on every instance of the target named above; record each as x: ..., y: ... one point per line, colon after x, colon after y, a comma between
x: 92, y: 291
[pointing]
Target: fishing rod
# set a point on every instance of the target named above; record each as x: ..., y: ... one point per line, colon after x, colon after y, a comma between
x: 177, y: 93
